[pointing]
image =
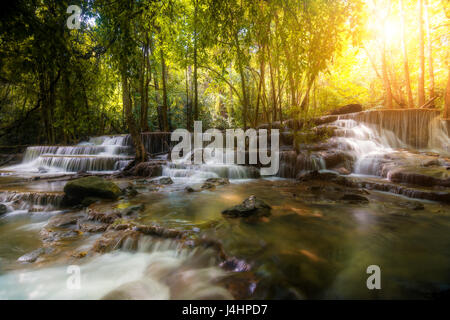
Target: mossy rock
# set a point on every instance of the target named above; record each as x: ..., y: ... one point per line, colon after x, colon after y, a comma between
x: 90, y: 187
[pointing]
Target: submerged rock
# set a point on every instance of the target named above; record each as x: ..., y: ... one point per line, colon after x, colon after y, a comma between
x: 3, y: 209
x: 77, y: 190
x: 354, y: 198
x: 250, y: 207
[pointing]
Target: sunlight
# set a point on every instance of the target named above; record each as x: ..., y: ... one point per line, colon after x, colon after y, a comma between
x: 393, y: 31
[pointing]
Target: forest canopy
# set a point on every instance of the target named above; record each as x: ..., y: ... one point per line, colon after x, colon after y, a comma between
x: 141, y: 65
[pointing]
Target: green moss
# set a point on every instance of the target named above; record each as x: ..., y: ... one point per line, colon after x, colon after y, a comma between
x: 90, y: 187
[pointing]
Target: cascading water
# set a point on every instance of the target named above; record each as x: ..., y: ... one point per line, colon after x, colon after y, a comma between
x: 378, y: 139
x: 212, y: 168
x: 105, y: 153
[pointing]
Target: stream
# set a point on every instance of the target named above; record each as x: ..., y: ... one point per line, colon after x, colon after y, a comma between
x: 314, y: 245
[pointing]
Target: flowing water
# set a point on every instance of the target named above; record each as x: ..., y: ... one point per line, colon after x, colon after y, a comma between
x: 312, y: 246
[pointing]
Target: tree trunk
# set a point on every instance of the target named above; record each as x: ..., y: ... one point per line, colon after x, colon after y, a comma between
x: 387, y: 84
x: 165, y: 108
x: 196, y: 109
x: 421, y: 85
x: 447, y: 98
x: 188, y: 102
x: 141, y: 154
x: 430, y: 52
x: 405, y: 59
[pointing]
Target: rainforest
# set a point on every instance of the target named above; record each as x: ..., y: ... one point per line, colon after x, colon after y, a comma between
x: 128, y: 136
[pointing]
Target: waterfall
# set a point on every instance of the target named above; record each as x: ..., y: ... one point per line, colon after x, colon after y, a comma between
x: 415, y: 128
x: 212, y: 168
x: 378, y: 138
x: 31, y: 201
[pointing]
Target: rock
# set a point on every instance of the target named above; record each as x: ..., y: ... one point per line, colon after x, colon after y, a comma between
x: 147, y: 169
x: 337, y: 159
x: 218, y: 181
x: 191, y: 189
x: 101, y: 216
x: 77, y: 190
x: 132, y: 209
x: 3, y: 209
x: 32, y: 256
x: 349, y: 108
x: 316, y: 175
x: 88, y: 201
x: 42, y: 170
x: 130, y: 191
x: 250, y: 207
x: 416, y: 206
x: 421, y: 176
x: 354, y: 198
x: 208, y: 185
x: 162, y: 180
x: 343, y: 171
x: 64, y: 220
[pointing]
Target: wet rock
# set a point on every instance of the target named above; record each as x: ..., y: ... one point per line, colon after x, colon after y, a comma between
x: 208, y: 185
x: 191, y: 189
x: 218, y: 181
x: 337, y: 158
x: 130, y: 191
x: 132, y: 209
x: 102, y: 216
x: 316, y: 175
x: 426, y: 176
x: 249, y: 207
x: 64, y: 220
x: 49, y: 235
x: 147, y: 169
x: 34, y: 255
x: 354, y: 198
x: 349, y: 108
x: 116, y: 239
x: 88, y: 201
x: 92, y: 227
x: 162, y: 180
x: 416, y: 206
x: 155, y: 230
x: 79, y: 189
x: 343, y: 171
x: 427, y: 194
x: 3, y: 209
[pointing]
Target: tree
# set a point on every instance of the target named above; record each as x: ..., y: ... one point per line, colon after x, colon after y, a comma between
x: 421, y: 84
x: 405, y: 58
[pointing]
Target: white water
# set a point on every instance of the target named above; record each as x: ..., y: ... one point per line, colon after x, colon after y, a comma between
x: 185, y: 169
x: 105, y: 153
x: 375, y: 149
x: 159, y: 270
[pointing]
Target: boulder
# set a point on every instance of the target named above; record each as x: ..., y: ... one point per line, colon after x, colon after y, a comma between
x: 77, y: 190
x: 249, y: 207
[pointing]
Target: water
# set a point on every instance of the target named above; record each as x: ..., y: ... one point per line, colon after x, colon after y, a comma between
x: 313, y: 246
